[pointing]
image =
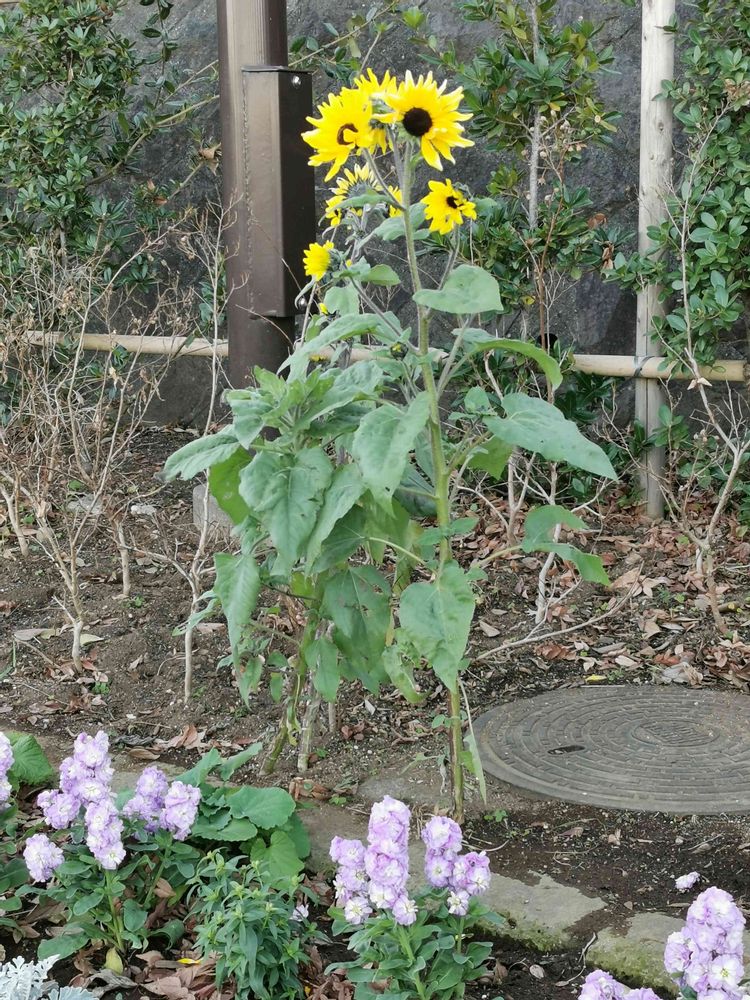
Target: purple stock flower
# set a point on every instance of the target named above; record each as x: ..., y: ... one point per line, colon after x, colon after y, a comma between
x: 104, y: 834
x: 387, y: 854
x: 42, y: 857
x: 6, y: 763
x: 685, y: 882
x: 676, y: 953
x: 348, y: 852
x: 458, y: 903
x: 442, y: 834
x: 405, y: 911
x: 642, y: 994
x: 438, y: 868
x: 148, y: 800
x: 180, y: 809
x: 59, y: 808
x: 600, y: 985
x: 357, y: 910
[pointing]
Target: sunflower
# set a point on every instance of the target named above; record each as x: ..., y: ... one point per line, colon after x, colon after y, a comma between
x: 317, y: 260
x: 446, y: 207
x: 395, y: 193
x: 345, y: 126
x: 359, y: 177
x: 376, y: 89
x: 429, y: 114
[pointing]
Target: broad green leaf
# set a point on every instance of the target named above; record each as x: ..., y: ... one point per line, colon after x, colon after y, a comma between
x: 201, y: 454
x: 224, y: 484
x: 285, y: 492
x: 383, y: 442
x: 30, y: 764
x: 542, y: 521
x: 345, y: 489
x: 342, y: 328
x: 358, y: 381
x: 357, y: 601
x: 266, y: 807
x: 539, y: 537
x: 200, y: 771
x: 322, y: 659
x: 436, y: 617
x: 345, y: 538
x: 249, y: 412
x: 589, y: 566
x: 393, y: 227
x: 479, y: 341
x: 238, y: 760
x: 380, y: 274
x: 538, y: 426
x: 133, y: 916
x: 491, y: 456
x: 236, y: 830
x: 63, y: 945
x: 468, y: 290
x: 342, y: 299
x: 279, y: 859
x: 400, y: 674
x: 237, y: 586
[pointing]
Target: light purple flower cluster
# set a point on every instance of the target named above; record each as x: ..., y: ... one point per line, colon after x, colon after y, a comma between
x: 42, y: 857
x: 180, y: 809
x: 707, y: 954
x: 85, y: 786
x: 685, y: 882
x: 148, y: 801
x: 465, y: 875
x: 376, y: 875
x: 6, y: 763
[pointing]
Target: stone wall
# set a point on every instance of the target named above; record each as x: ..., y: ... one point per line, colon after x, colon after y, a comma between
x: 594, y: 317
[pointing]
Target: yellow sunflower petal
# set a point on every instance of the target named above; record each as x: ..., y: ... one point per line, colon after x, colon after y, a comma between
x: 428, y: 113
x: 344, y: 127
x: 317, y: 260
x: 446, y: 207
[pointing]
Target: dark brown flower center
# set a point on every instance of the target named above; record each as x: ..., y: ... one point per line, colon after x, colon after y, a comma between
x: 417, y: 121
x: 451, y: 201
x: 341, y: 138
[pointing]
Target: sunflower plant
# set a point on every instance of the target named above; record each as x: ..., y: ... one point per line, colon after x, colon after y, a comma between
x: 341, y: 471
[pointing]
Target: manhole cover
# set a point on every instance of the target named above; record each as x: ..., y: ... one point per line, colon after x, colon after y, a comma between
x: 650, y: 748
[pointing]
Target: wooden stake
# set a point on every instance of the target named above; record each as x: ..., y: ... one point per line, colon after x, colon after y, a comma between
x: 657, y: 65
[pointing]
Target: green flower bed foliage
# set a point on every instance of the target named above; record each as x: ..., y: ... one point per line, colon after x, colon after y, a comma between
x: 78, y: 101
x: 701, y: 254
x: 249, y: 919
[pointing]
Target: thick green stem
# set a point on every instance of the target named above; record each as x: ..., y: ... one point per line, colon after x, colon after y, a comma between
x: 117, y: 925
x: 442, y: 481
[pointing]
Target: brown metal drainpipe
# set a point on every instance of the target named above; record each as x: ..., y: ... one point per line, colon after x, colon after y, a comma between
x: 268, y: 188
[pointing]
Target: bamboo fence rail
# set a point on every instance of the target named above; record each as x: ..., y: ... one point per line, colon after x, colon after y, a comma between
x: 612, y: 365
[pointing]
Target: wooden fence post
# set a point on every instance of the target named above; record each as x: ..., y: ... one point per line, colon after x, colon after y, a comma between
x: 657, y: 65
